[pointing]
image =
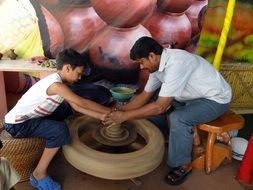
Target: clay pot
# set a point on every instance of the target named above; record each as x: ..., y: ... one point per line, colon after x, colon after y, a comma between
x: 191, y: 46
x: 53, y: 31
x: 169, y: 29
x: 109, y: 52
x: 196, y: 13
x: 123, y: 13
x: 12, y: 55
x: 178, y: 6
x: 16, y: 82
x: 79, y: 25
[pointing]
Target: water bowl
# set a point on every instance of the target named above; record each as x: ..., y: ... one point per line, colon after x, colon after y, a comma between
x: 122, y: 94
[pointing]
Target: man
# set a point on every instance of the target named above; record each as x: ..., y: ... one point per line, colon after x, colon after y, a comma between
x: 40, y: 111
x: 188, y: 83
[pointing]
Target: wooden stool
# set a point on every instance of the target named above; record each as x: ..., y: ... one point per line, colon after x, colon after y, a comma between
x: 215, y: 153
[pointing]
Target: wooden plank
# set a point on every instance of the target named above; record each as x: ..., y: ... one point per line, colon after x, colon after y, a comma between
x: 3, y: 107
x: 20, y: 65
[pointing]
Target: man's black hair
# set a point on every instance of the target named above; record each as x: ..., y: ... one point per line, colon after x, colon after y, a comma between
x: 72, y: 57
x: 143, y: 46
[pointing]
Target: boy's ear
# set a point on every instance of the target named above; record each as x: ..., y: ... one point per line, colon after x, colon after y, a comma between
x: 67, y: 67
x: 152, y: 55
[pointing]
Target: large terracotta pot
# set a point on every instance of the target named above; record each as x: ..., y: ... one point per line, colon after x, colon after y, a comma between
x: 110, y: 49
x: 123, y: 13
x: 191, y: 46
x: 79, y: 25
x: 169, y: 29
x: 51, y: 33
x: 16, y: 82
x: 178, y: 6
x: 196, y: 13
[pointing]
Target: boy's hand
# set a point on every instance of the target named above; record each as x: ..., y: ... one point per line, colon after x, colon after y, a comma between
x: 103, y: 117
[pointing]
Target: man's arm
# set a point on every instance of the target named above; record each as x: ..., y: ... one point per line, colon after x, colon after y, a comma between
x: 137, y: 101
x: 64, y: 91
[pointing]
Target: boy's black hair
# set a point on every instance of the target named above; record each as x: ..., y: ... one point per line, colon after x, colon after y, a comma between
x: 72, y: 57
x: 143, y: 46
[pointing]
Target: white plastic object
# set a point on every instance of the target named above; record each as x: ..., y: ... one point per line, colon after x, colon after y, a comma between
x: 239, y: 146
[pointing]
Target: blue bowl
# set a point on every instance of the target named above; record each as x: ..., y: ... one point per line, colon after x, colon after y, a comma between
x: 122, y: 94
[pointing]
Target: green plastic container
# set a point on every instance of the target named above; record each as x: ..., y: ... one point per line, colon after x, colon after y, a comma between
x: 122, y: 94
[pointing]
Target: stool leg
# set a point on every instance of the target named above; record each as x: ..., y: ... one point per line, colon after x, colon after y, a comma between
x: 209, y: 151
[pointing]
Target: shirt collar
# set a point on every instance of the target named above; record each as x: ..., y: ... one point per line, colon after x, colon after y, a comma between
x: 164, y: 58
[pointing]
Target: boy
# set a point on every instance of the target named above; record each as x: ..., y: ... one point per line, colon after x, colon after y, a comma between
x: 40, y: 111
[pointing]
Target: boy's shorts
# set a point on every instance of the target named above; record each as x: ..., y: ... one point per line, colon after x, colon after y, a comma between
x: 51, y: 128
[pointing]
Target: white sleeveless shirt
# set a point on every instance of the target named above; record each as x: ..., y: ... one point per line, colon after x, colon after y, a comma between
x: 35, y: 102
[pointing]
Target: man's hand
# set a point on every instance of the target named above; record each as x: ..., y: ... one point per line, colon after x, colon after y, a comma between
x: 115, y: 117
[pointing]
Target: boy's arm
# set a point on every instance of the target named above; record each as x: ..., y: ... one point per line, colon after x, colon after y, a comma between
x: 91, y: 113
x: 64, y: 91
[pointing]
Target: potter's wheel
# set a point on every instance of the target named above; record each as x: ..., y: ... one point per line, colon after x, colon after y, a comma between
x: 115, y: 152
